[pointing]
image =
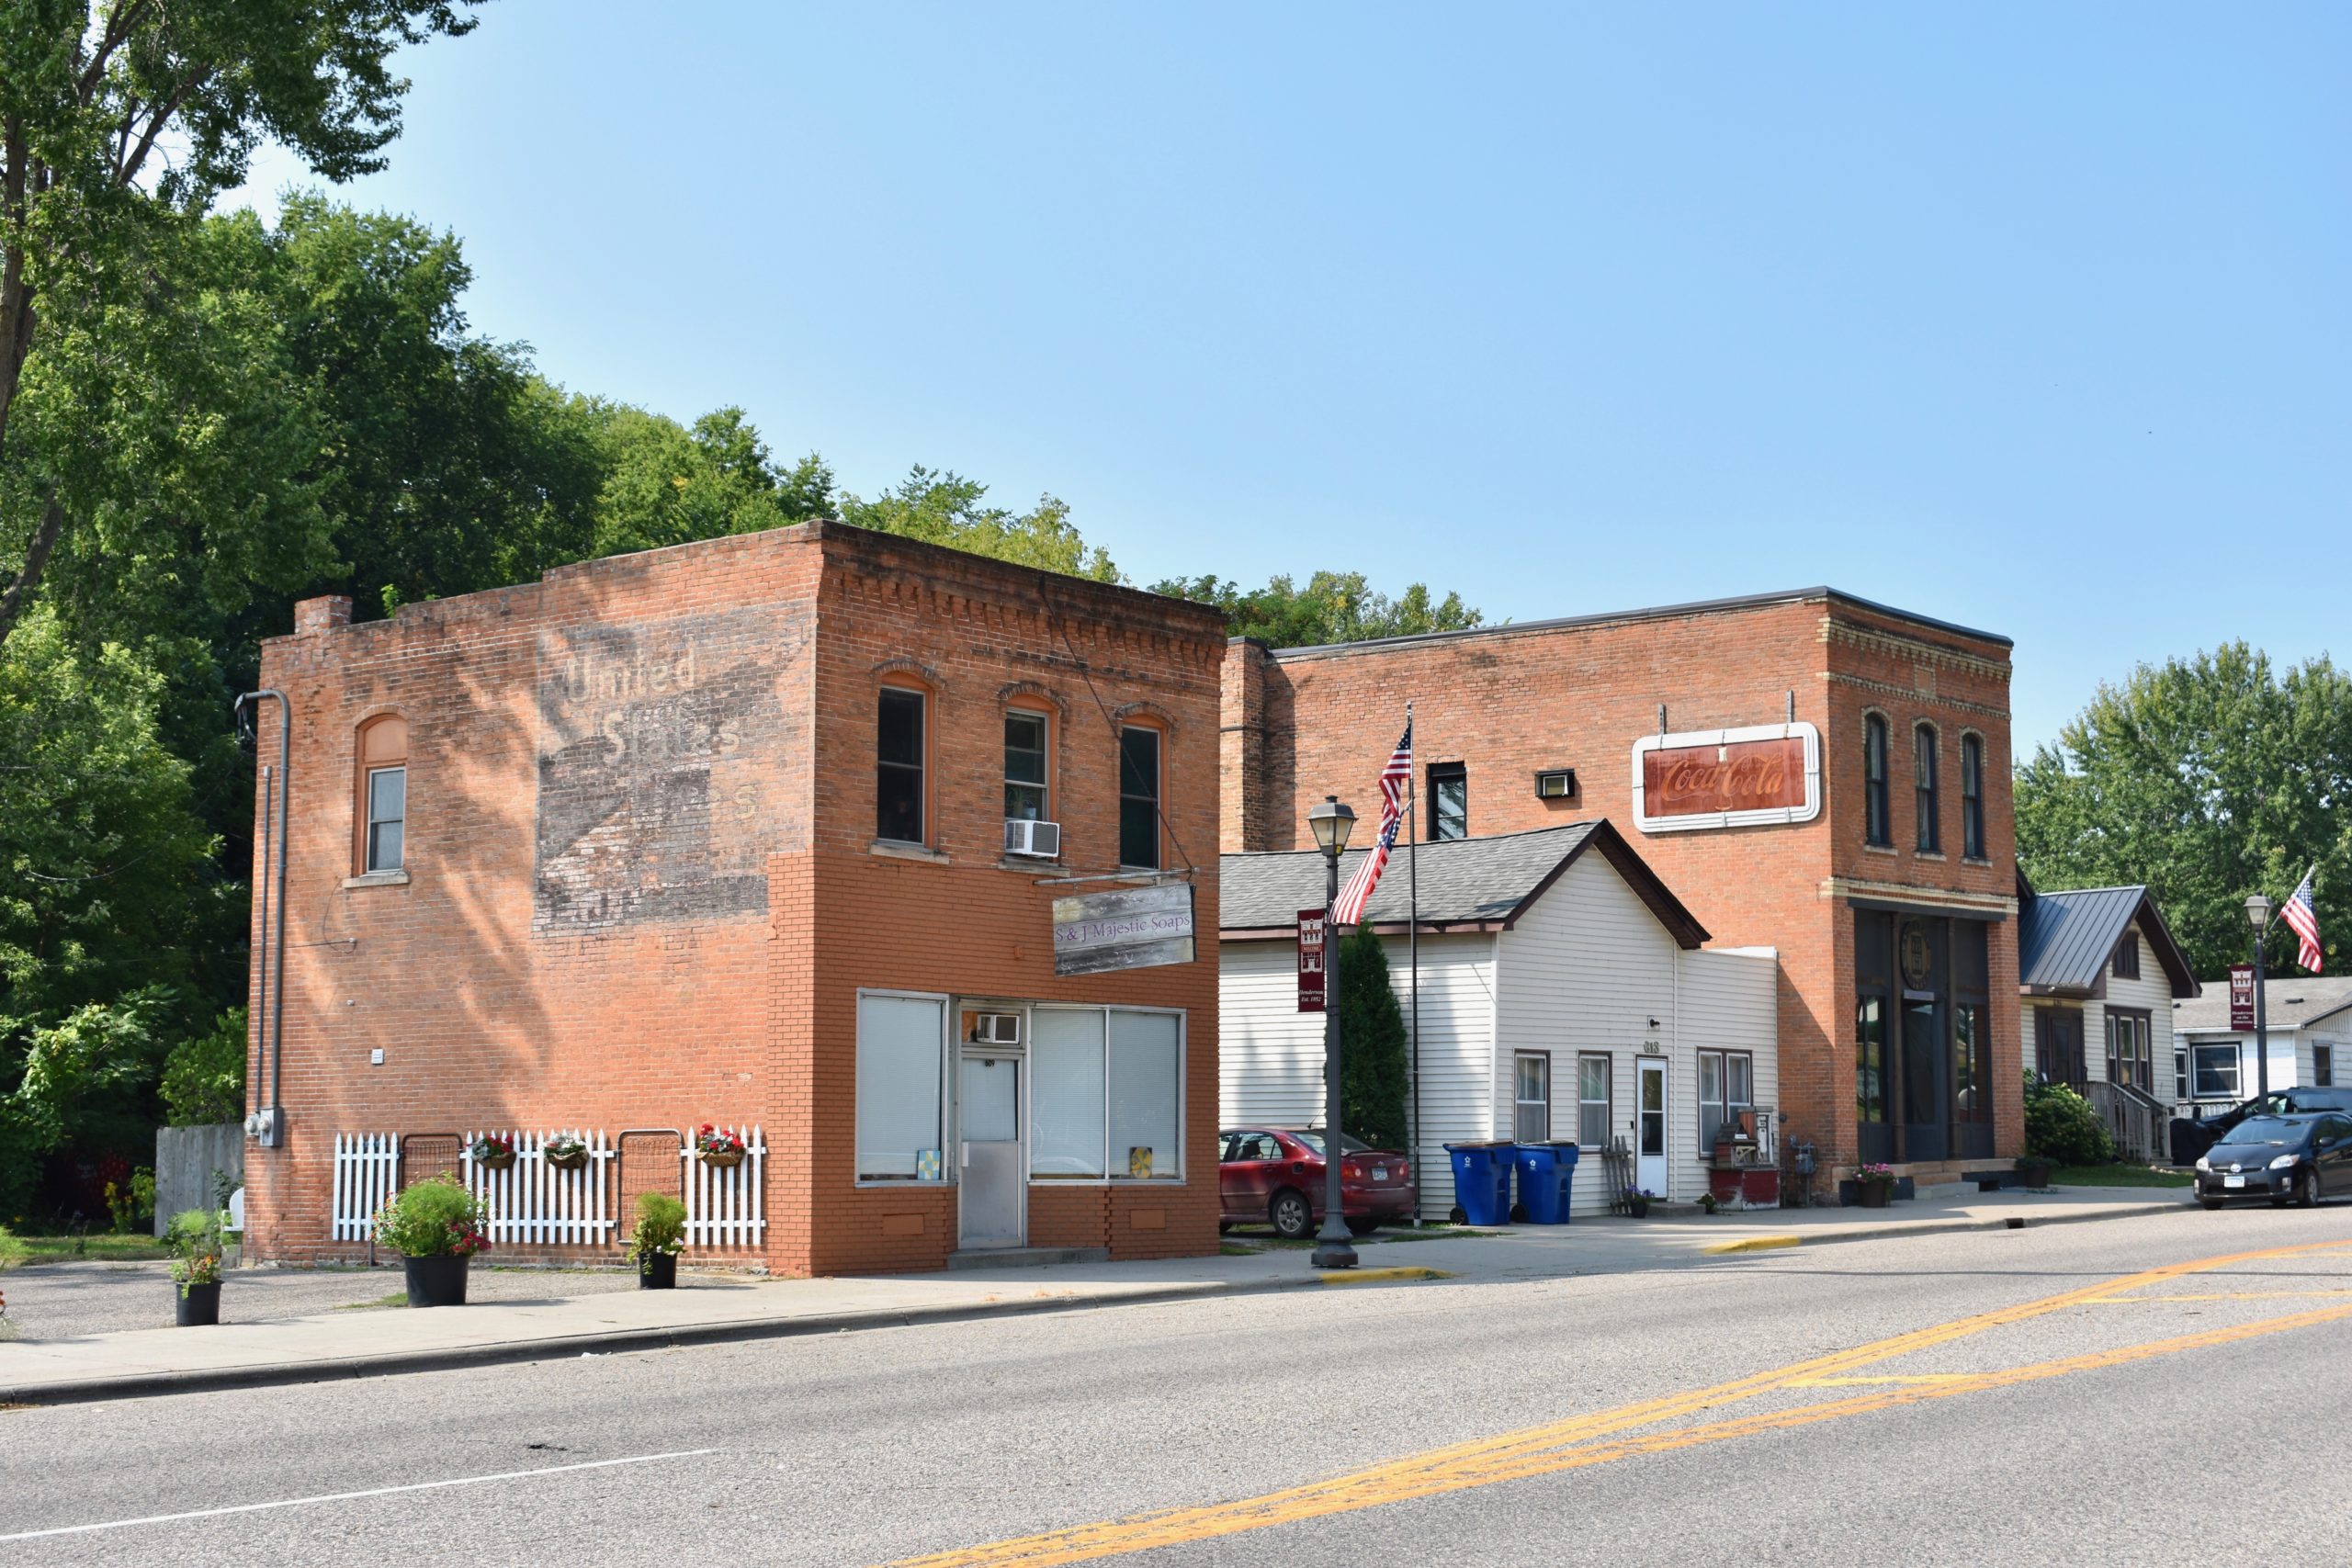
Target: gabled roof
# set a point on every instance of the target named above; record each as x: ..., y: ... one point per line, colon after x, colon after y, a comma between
x: 2286, y: 1004
x: 2064, y: 939
x: 1465, y: 884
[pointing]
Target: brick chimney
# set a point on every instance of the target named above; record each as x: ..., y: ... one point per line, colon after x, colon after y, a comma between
x: 1241, y: 797
x: 321, y: 615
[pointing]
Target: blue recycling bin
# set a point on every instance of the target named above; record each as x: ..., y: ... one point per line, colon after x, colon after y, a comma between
x: 1481, y: 1182
x: 1547, y: 1172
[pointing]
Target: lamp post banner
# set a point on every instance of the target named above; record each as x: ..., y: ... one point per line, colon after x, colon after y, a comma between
x: 1311, y: 929
x: 2241, y: 995
x: 1133, y: 928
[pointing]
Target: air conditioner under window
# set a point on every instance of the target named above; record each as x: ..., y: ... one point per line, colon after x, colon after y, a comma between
x: 996, y: 1029
x: 1027, y: 836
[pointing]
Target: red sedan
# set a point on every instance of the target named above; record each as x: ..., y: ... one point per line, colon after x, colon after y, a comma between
x: 1274, y: 1176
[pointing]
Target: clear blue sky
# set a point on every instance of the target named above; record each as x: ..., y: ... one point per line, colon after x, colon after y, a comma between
x: 2032, y: 318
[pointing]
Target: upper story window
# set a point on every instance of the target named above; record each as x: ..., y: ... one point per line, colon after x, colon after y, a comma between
x: 1880, y: 830
x: 1971, y: 796
x: 1026, y: 795
x: 1449, y: 801
x: 2126, y: 963
x: 383, y: 813
x: 898, y: 757
x: 1139, y: 765
x: 1923, y: 788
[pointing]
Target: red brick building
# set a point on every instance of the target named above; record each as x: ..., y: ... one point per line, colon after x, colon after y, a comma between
x: 720, y: 834
x: 1807, y: 771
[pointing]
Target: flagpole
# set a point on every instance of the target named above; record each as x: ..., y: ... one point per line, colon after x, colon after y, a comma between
x: 1413, y: 951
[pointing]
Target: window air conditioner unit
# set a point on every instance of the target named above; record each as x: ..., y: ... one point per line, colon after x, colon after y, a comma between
x: 1027, y: 836
x: 996, y: 1029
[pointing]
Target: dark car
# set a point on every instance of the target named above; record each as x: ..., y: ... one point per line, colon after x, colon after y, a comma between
x: 2191, y: 1139
x: 1274, y: 1176
x: 2278, y: 1158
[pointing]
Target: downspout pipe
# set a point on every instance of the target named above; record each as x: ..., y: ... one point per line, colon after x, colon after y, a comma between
x: 274, y: 960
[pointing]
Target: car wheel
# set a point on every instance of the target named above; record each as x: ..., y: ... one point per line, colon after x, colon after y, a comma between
x: 2209, y: 1204
x: 1290, y: 1217
x: 1362, y: 1226
x: 2307, y: 1188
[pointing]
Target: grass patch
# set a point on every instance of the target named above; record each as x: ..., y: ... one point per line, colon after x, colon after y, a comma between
x: 12, y: 1251
x: 1431, y: 1233
x: 2117, y: 1176
x: 98, y: 1248
x: 397, y: 1299
x: 1237, y: 1249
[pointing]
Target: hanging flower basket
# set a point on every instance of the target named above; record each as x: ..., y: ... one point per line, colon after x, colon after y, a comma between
x: 566, y: 1154
x: 719, y: 1148
x: 492, y: 1152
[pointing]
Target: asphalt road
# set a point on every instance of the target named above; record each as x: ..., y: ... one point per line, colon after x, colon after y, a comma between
x: 2058, y: 1395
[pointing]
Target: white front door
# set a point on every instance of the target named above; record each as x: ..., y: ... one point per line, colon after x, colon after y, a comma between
x: 990, y: 1170
x: 1649, y: 1125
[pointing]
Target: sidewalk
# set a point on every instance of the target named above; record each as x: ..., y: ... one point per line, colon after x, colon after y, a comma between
x: 346, y: 1343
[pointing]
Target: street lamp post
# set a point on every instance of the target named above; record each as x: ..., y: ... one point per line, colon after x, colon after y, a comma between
x: 1331, y: 822
x: 2259, y: 910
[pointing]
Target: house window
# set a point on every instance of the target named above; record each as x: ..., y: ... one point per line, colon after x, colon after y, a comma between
x: 1105, y: 1089
x: 1923, y: 788
x: 2180, y: 1073
x: 2126, y: 963
x: 1449, y: 801
x: 1726, y: 1080
x: 902, y: 1066
x: 1870, y: 1059
x: 1532, y: 1099
x: 1880, y: 829
x: 382, y: 805
x: 2129, y: 1043
x: 1971, y: 796
x: 1593, y: 1073
x: 1139, y: 797
x: 1024, y: 766
x: 2324, y: 1066
x: 2217, y: 1071
x: 898, y: 767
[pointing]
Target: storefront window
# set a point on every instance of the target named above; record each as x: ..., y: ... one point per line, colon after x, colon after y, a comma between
x: 1972, y: 1080
x: 1069, y: 1108
x: 1106, y: 1090
x: 901, y: 1055
x: 1869, y: 1060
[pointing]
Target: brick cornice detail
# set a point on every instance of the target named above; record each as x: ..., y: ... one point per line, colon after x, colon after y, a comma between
x: 1911, y: 694
x: 1916, y: 649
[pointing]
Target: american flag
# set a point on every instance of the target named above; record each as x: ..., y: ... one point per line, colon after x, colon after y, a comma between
x: 2304, y: 917
x: 1349, y: 910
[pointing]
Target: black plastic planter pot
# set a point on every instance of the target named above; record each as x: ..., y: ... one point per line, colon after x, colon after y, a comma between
x: 436, y: 1282
x: 658, y: 1271
x: 198, y: 1304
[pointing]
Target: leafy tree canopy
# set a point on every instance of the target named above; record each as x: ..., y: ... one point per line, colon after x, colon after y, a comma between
x: 1334, y: 606
x: 2207, y: 779
x: 946, y: 509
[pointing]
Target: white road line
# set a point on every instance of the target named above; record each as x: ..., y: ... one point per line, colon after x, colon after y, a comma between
x: 347, y: 1497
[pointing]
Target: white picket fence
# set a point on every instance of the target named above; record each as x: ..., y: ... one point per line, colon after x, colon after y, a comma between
x: 531, y: 1200
x: 725, y: 1208
x: 366, y: 1173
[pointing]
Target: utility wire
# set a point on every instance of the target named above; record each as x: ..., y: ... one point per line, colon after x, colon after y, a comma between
x: 1062, y: 630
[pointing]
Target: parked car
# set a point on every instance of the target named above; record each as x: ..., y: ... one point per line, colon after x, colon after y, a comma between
x: 1274, y: 1176
x: 2278, y: 1158
x: 2192, y: 1138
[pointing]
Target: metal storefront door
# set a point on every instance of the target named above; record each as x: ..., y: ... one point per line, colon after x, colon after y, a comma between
x: 1649, y: 1127
x: 990, y: 1175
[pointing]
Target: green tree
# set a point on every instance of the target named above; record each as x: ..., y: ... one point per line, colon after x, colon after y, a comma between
x: 2206, y: 778
x: 119, y: 122
x: 1373, y: 1066
x: 661, y: 483
x: 1334, y: 606
x: 946, y: 509
x: 204, y: 1076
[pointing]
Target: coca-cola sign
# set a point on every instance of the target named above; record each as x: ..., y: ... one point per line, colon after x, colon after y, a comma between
x: 1760, y: 776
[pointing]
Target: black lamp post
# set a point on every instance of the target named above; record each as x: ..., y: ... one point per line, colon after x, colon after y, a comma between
x: 1330, y: 823
x: 2259, y: 910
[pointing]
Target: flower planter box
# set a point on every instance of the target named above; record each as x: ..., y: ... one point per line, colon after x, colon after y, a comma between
x: 575, y: 1160
x: 722, y: 1159
x: 1873, y: 1194
x: 436, y: 1282
x: 199, y: 1306
x: 658, y: 1271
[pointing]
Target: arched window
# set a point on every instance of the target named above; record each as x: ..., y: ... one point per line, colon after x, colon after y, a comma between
x: 380, y: 800
x: 1923, y: 788
x: 1879, y: 829
x: 1141, y: 771
x: 901, y: 754
x: 1971, y: 796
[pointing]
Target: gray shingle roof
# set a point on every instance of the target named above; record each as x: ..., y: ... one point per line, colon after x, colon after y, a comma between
x: 2288, y: 1003
x: 1463, y: 881
x: 2064, y: 939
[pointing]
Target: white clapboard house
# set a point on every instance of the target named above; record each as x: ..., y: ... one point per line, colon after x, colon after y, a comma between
x: 1564, y: 994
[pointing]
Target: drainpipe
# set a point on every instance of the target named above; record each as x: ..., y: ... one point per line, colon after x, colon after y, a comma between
x: 268, y: 1126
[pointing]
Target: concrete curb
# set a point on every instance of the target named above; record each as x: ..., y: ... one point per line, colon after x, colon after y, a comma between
x: 148, y: 1385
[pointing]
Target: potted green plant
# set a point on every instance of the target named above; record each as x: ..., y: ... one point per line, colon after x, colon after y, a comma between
x: 1873, y: 1185
x: 719, y: 1148
x: 654, y: 1245
x: 1709, y: 1202
x: 564, y: 1152
x: 198, y: 1249
x: 436, y: 1227
x: 1637, y: 1201
x: 492, y: 1152
x: 2034, y: 1171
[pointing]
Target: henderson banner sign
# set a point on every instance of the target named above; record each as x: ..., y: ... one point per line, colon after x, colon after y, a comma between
x: 2241, y: 995
x: 1310, y: 960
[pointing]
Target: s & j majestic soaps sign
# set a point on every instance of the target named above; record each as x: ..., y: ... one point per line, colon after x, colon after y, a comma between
x: 1765, y: 776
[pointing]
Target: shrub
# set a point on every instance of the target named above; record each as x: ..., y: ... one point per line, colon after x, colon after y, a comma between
x: 661, y: 1227
x: 1373, y: 1078
x: 198, y: 1249
x: 2060, y: 1126
x: 204, y: 1078
x: 434, y: 1218
x: 12, y: 1251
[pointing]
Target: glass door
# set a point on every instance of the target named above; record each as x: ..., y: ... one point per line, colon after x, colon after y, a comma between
x: 1649, y: 1126
x: 990, y: 1176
